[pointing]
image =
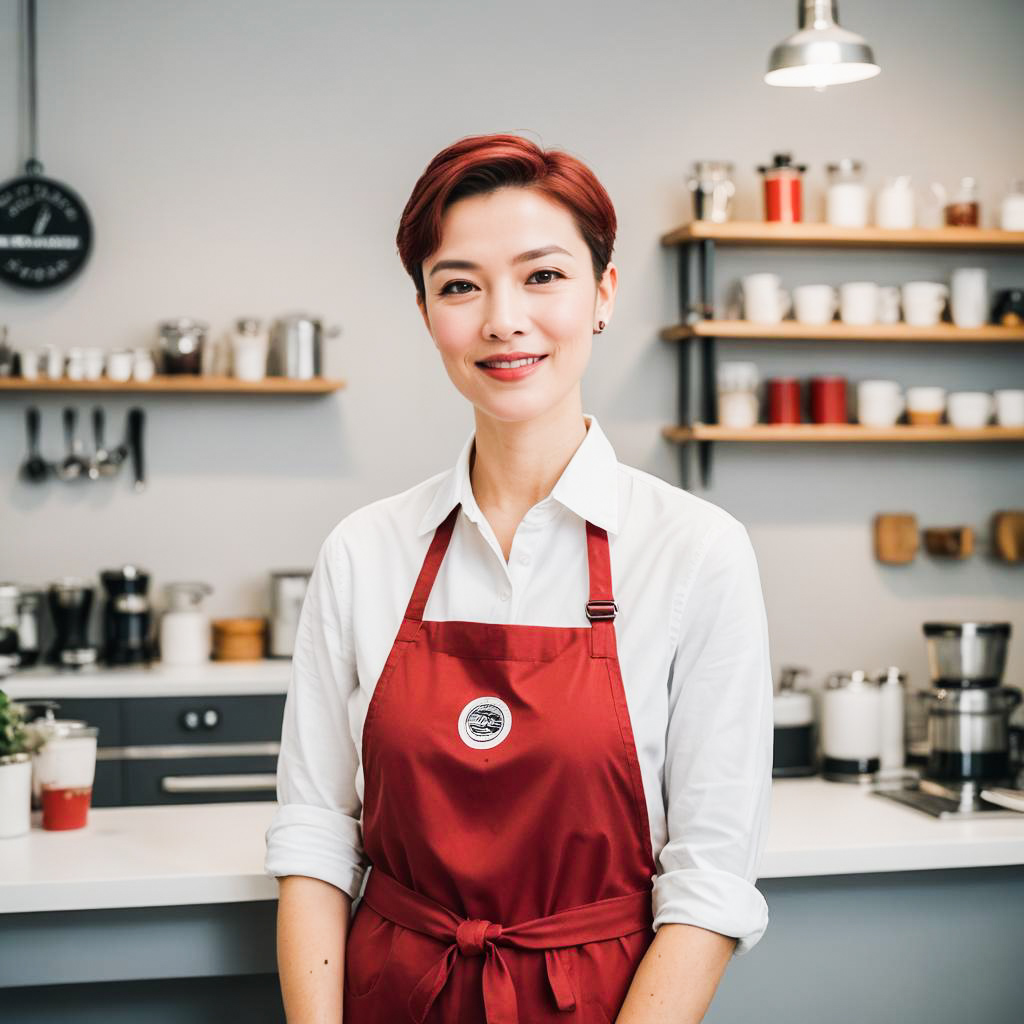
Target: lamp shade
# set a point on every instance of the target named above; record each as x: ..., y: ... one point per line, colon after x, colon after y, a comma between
x: 820, y: 53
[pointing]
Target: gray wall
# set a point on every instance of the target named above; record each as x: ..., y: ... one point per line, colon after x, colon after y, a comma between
x: 254, y: 157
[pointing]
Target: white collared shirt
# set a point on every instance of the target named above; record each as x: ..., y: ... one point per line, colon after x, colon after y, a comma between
x: 692, y: 640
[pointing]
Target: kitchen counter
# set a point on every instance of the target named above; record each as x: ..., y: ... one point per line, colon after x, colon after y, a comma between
x: 213, y: 853
x: 169, y: 905
x: 215, y: 677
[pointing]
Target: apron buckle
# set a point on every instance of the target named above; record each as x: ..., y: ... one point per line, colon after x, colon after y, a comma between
x: 601, y: 610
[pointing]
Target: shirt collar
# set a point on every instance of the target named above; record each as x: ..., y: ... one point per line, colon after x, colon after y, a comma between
x: 588, y: 486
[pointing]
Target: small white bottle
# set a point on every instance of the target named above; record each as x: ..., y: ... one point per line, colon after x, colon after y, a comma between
x: 890, y: 683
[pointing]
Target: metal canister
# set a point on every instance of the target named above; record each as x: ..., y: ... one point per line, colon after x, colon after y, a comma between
x: 296, y: 344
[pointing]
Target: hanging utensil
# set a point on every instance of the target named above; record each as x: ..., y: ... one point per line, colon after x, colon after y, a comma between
x: 136, y: 421
x: 35, y: 468
x: 74, y: 464
x: 45, y: 228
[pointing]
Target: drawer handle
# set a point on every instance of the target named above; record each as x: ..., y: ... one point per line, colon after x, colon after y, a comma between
x: 218, y: 783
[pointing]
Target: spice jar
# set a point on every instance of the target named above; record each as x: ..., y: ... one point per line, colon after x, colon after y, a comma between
x: 964, y: 210
x: 783, y: 189
x: 846, y: 197
x: 738, y: 403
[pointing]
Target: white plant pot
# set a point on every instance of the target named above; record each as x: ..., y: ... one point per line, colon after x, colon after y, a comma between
x: 15, y: 795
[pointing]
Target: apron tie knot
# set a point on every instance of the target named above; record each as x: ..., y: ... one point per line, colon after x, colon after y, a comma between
x: 473, y: 934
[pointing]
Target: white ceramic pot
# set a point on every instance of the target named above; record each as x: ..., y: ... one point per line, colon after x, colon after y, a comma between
x: 15, y: 795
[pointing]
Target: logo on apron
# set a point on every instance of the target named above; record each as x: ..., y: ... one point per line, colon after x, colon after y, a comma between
x: 484, y: 722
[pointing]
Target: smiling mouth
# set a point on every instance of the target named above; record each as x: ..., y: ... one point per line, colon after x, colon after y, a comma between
x: 509, y: 364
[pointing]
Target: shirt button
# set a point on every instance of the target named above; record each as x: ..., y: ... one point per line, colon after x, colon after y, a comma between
x: 506, y: 594
x: 524, y: 559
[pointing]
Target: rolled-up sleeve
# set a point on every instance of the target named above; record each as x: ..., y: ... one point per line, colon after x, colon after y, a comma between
x: 315, y: 830
x: 718, y: 760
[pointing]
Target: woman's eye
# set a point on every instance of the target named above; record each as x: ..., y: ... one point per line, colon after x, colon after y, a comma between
x: 446, y: 290
x: 555, y: 272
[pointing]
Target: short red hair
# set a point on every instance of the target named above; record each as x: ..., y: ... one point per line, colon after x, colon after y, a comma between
x: 478, y: 164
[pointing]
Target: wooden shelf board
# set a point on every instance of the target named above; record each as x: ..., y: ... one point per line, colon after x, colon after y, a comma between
x: 840, y: 432
x: 179, y: 384
x: 770, y: 233
x: 790, y: 330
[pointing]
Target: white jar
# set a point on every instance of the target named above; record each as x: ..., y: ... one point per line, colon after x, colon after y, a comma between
x: 738, y: 402
x: 851, y: 727
x: 93, y: 359
x: 76, y: 364
x: 30, y: 364
x: 143, y: 364
x: 1011, y: 210
x: 119, y: 364
x: 846, y: 198
x: 894, y: 204
x: 893, y: 698
x: 250, y: 344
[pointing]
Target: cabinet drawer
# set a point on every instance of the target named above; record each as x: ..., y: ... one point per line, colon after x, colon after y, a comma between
x: 206, y: 719
x: 200, y: 780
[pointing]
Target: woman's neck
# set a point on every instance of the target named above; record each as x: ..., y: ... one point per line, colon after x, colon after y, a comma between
x: 515, y: 465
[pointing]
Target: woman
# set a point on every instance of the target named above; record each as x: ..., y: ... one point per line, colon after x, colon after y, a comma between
x: 533, y: 691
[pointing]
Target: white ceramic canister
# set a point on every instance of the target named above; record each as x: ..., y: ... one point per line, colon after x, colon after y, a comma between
x: 851, y: 727
x: 893, y: 697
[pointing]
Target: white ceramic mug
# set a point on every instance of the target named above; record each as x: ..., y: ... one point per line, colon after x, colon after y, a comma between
x: 968, y: 303
x: 119, y: 364
x: 814, y: 303
x: 93, y: 358
x: 925, y: 405
x: 969, y: 409
x: 30, y: 363
x: 1010, y: 407
x: 889, y: 305
x: 879, y: 403
x: 923, y: 302
x: 858, y: 302
x: 765, y: 301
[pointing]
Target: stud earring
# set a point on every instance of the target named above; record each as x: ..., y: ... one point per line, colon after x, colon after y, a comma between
x: 600, y: 327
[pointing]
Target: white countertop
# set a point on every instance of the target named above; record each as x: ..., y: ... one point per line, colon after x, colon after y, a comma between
x: 222, y: 678
x: 213, y: 853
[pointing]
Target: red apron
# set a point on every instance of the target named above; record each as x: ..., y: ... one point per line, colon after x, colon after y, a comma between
x: 504, y: 819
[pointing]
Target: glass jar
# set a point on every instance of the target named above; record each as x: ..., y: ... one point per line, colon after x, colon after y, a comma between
x: 964, y: 210
x: 738, y: 403
x: 713, y: 190
x: 846, y: 197
x: 1011, y: 210
x: 783, y: 189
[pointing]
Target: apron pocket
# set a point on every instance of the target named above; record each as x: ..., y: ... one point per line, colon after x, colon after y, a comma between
x: 368, y: 947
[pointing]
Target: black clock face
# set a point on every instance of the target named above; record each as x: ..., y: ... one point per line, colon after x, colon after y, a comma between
x: 45, y: 232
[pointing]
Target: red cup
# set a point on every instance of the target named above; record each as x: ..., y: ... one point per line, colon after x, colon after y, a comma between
x: 783, y: 400
x: 828, y: 400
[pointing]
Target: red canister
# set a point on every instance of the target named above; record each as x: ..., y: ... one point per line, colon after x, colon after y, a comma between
x: 783, y: 189
x: 828, y: 400
x: 784, y: 400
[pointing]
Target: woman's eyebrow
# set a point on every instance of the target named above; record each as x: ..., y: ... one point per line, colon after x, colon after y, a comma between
x: 523, y: 257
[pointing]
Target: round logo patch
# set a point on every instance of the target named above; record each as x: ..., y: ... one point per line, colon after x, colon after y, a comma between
x: 484, y: 722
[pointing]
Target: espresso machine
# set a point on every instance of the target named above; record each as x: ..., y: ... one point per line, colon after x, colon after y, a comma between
x: 127, y: 616
x: 971, y: 744
x: 70, y: 600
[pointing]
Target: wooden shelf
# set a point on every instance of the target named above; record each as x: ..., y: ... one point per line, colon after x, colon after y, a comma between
x: 840, y: 432
x: 772, y: 233
x: 179, y: 384
x: 790, y: 330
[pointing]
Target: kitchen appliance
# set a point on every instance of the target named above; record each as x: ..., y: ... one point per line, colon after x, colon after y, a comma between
x: 287, y: 592
x: 29, y: 607
x: 971, y: 743
x: 181, y: 344
x: 793, y: 751
x: 9, y: 654
x: 126, y: 616
x: 851, y: 727
x: 296, y: 343
x: 70, y: 601
x: 185, y: 636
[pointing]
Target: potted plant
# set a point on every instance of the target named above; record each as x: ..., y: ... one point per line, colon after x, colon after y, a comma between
x: 17, y: 744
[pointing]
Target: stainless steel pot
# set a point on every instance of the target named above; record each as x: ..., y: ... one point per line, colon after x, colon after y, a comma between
x: 966, y: 653
x: 296, y: 344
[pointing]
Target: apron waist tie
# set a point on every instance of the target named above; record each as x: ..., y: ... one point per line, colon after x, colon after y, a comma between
x: 592, y: 922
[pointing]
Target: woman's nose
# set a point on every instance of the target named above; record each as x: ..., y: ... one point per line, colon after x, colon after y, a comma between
x: 506, y: 314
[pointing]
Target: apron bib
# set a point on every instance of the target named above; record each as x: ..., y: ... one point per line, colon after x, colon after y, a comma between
x: 504, y: 820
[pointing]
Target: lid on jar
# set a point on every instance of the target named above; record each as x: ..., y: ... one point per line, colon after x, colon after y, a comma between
x: 782, y: 161
x: 857, y: 677
x: 890, y: 676
x: 738, y: 376
x: 712, y: 168
x: 845, y: 165
x: 247, y: 325
x: 954, y: 629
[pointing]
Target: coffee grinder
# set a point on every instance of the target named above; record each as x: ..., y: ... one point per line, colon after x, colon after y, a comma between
x: 70, y: 600
x: 127, y: 616
x: 969, y: 731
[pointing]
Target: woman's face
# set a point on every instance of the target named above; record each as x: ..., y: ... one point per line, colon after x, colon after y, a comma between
x: 484, y: 300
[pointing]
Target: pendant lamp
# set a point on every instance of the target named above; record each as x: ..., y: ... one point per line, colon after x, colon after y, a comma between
x: 820, y: 53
